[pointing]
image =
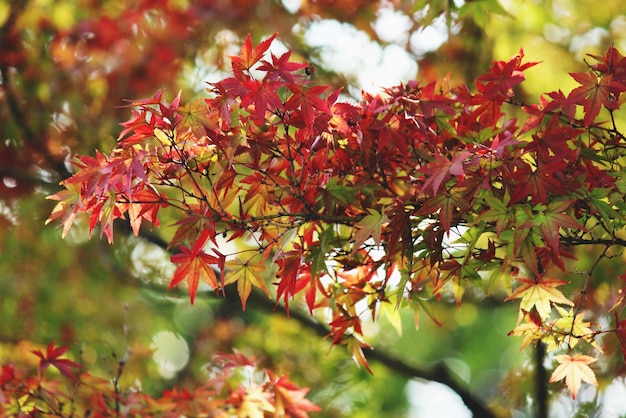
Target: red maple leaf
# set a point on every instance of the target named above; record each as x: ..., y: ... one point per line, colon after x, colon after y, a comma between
x: 290, y: 399
x: 263, y: 96
x: 442, y: 169
x: 567, y: 104
x: 594, y: 93
x: 503, y: 76
x: 307, y: 101
x: 292, y: 280
x: 613, y: 63
x: 250, y: 55
x: 194, y: 264
x: 281, y: 68
x: 537, y: 183
x: 52, y: 358
x: 447, y: 205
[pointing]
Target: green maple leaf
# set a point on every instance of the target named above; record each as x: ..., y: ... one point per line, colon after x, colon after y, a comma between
x: 246, y: 274
x: 370, y: 226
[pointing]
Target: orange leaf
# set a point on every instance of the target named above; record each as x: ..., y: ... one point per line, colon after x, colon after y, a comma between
x: 531, y: 330
x: 290, y: 399
x: 194, y: 264
x: 250, y: 55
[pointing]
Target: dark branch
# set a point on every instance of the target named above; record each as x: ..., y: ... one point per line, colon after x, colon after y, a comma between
x: 439, y: 373
x: 541, y: 381
x: 574, y: 241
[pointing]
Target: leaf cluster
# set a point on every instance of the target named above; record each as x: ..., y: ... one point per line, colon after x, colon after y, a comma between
x: 413, y: 195
x: 236, y: 386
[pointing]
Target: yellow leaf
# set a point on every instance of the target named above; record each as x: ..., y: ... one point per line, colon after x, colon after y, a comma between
x: 163, y: 137
x: 246, y: 274
x: 65, y: 211
x: 255, y: 403
x: 539, y: 294
x: 575, y: 327
x: 531, y: 330
x: 575, y: 370
x: 355, y: 347
x: 392, y: 313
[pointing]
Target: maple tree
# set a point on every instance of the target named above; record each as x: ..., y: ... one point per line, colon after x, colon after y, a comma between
x: 275, y: 186
x: 393, y: 225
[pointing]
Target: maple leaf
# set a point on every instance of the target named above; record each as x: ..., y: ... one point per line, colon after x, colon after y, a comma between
x: 263, y: 97
x: 370, y: 226
x: 538, y: 182
x: 69, y: 202
x: 52, y: 358
x: 289, y: 399
x: 281, y: 68
x: 540, y: 294
x: 246, y: 274
x: 575, y: 370
x: 532, y: 329
x: 594, y: 93
x: 145, y: 204
x: 252, y: 402
x: 446, y: 204
x: 575, y: 327
x: 355, y: 347
x: 567, y: 104
x: 194, y: 264
x: 250, y: 55
x: 293, y: 279
x: 443, y: 168
x: 499, y: 212
x: 307, y: 101
x: 550, y: 221
x: 613, y: 62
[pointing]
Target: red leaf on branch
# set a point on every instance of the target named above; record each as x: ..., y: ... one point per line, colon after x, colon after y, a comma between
x: 442, y: 169
x: 52, y: 358
x: 292, y: 280
x: 250, y: 55
x: 194, y: 264
x: 538, y: 182
x: 594, y: 93
x: 307, y: 101
x: 503, y: 76
x: 281, y: 68
x: 289, y: 399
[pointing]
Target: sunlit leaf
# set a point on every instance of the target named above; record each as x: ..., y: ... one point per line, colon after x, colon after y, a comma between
x: 575, y: 370
x: 246, y: 274
x: 540, y: 294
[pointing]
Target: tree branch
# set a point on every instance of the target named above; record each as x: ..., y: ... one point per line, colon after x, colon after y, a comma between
x: 259, y: 301
x: 574, y: 241
x: 541, y: 382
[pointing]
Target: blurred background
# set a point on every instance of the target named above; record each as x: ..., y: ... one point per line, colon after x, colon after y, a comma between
x: 66, y: 69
